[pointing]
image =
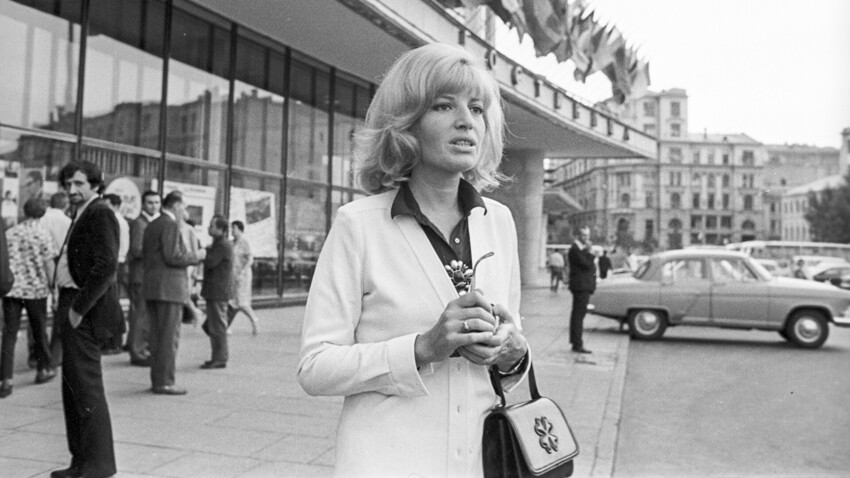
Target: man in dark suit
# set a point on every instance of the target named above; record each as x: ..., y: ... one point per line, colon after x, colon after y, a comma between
x: 137, y: 338
x: 217, y: 290
x: 166, y: 289
x: 89, y: 314
x: 582, y: 285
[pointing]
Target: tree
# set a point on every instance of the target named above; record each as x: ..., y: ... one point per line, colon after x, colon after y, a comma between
x: 829, y: 214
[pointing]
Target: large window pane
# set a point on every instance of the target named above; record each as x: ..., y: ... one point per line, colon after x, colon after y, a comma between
x: 29, y: 167
x: 39, y: 53
x: 347, y: 121
x: 255, y: 201
x: 258, y: 109
x: 123, y: 86
x: 308, y: 122
x: 197, y: 88
x: 305, y: 233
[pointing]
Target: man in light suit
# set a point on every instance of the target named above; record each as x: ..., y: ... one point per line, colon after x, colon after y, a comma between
x: 166, y: 289
x: 137, y: 338
x: 89, y: 314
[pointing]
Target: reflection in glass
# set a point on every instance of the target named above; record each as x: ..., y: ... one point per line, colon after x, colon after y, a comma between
x: 258, y: 112
x: 203, y: 191
x: 255, y: 201
x: 308, y: 123
x: 305, y: 233
x: 123, y: 86
x: 40, y: 57
x: 29, y: 167
x: 197, y: 89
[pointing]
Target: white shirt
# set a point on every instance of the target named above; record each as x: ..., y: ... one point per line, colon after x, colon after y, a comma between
x: 57, y: 224
x: 123, y: 237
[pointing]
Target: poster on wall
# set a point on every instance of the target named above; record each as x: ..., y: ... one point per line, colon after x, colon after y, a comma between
x: 200, y: 205
x: 256, y: 209
x: 127, y: 188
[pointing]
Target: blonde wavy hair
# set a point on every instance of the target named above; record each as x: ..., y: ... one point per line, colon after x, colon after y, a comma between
x: 385, y: 151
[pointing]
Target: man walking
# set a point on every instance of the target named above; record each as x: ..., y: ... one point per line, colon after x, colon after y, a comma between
x: 604, y: 265
x: 582, y: 285
x: 217, y: 290
x: 89, y: 314
x: 166, y: 289
x: 137, y: 337
x: 556, y: 269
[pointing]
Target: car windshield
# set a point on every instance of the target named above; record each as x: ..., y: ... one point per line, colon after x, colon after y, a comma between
x: 641, y: 270
x: 760, y: 270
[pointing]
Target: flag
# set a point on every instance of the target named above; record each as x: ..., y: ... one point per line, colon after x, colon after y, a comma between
x: 546, y: 22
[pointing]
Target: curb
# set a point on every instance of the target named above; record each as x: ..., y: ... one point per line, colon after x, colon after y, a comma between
x: 606, y: 445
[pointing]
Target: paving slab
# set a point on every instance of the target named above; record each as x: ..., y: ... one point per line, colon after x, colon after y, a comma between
x: 252, y: 419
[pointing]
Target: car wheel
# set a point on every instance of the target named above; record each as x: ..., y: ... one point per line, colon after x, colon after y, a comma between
x: 647, y: 324
x: 807, y: 329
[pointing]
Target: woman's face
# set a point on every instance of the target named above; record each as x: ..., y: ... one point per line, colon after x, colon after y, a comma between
x: 450, y: 134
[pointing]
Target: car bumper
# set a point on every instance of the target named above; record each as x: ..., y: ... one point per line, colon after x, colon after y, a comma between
x: 842, y: 321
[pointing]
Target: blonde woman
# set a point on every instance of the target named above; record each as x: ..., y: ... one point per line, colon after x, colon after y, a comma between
x: 392, y: 322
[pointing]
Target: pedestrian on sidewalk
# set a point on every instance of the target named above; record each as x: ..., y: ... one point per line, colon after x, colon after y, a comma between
x: 57, y: 222
x: 139, y: 332
x: 408, y: 344
x: 243, y: 278
x: 582, y: 285
x: 166, y: 290
x: 88, y: 315
x: 604, y: 264
x: 556, y: 269
x: 216, y: 291
x: 31, y: 254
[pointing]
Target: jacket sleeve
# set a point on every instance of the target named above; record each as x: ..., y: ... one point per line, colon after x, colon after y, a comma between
x: 510, y: 382
x: 175, y: 251
x: 104, y: 259
x: 136, y: 239
x: 580, y: 259
x: 332, y: 362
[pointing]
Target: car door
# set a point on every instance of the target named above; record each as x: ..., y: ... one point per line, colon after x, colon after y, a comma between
x: 739, y: 297
x: 686, y: 290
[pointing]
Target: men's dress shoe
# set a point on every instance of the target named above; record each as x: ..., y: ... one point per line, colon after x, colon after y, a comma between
x: 169, y: 390
x: 44, y: 376
x: 581, y: 350
x: 110, y: 351
x: 70, y: 472
x: 5, y: 390
x: 213, y: 364
x: 140, y: 362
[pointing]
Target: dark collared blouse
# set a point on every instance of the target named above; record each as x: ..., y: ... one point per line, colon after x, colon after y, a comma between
x: 454, y: 248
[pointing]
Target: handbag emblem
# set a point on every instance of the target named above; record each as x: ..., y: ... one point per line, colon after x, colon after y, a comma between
x: 548, y: 440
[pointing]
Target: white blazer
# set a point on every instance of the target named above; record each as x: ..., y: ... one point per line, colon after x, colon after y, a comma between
x: 377, y: 285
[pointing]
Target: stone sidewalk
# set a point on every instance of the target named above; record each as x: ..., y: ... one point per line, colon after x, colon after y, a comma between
x: 253, y: 420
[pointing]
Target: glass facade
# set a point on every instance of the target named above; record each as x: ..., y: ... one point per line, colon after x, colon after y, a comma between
x: 243, y: 125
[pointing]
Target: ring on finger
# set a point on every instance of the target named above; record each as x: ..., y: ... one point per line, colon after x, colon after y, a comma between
x: 466, y: 326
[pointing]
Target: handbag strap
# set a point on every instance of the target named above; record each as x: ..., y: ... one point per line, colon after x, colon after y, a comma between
x: 496, y: 382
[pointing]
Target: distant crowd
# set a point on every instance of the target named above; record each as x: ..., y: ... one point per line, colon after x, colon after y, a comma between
x: 75, y: 253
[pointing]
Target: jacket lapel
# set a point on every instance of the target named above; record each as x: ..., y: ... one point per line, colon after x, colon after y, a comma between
x: 480, y: 243
x: 426, y: 258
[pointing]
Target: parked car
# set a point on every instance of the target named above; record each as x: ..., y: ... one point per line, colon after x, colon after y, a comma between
x: 715, y: 288
x: 810, y: 263
x: 826, y: 271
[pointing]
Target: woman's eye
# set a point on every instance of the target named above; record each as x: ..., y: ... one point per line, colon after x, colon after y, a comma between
x: 479, y: 110
x: 442, y: 107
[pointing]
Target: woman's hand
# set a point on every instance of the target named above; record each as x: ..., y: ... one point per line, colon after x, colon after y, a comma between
x: 465, y: 321
x: 504, y: 348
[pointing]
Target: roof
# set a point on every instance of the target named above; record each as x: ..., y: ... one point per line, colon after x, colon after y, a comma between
x: 829, y: 182
x: 731, y: 138
x: 697, y: 252
x: 556, y: 201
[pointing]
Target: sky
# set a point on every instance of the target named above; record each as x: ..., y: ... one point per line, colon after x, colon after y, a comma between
x: 777, y: 70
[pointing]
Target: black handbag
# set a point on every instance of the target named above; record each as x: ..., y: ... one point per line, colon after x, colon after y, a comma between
x: 528, y: 439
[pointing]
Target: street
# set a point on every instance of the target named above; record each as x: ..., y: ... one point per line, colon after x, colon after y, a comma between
x: 706, y: 402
